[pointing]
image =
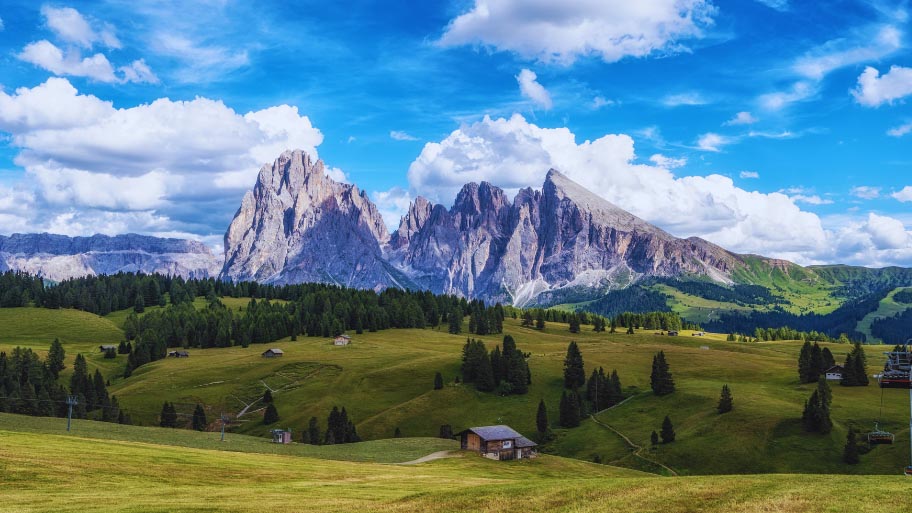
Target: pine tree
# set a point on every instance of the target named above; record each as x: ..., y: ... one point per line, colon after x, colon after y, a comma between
x: 267, y: 396
x: 725, y: 400
x: 817, y: 363
x: 850, y: 451
x: 199, y: 418
x: 848, y: 372
x: 438, y: 381
x: 574, y: 372
x: 574, y: 324
x: 446, y: 431
x: 630, y: 330
x: 313, y: 432
x: 828, y: 359
x: 55, y: 358
x: 804, y: 363
x: 484, y: 382
x: 397, y: 433
x: 271, y: 416
x: 668, y: 433
x: 455, y: 321
x: 168, y: 417
x: 569, y: 409
x: 540, y: 320
x: 654, y: 438
x: 661, y: 380
x: 541, y: 418
x: 139, y: 303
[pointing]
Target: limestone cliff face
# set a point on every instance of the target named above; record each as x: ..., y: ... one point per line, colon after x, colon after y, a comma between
x: 298, y: 225
x: 59, y: 257
x: 562, y: 237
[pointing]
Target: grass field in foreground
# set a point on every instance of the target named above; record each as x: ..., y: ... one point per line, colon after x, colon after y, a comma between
x: 55, y: 473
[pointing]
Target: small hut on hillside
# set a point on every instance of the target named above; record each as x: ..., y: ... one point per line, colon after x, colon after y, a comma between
x: 342, y: 340
x: 497, y: 443
x: 273, y: 353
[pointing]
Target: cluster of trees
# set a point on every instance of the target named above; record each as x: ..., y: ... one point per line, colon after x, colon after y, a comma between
x: 893, y: 329
x: 29, y: 386
x: 903, y: 296
x: 744, y: 295
x: 786, y: 333
x: 726, y: 401
x: 169, y: 418
x: 602, y: 390
x: 841, y: 321
x: 339, y: 429
x: 855, y: 370
x: 813, y: 362
x: 660, y: 379
x: 484, y: 320
x: 816, y: 415
x: 667, y: 433
x: 651, y: 321
x: 19, y: 289
x: 505, y: 370
x: 636, y: 298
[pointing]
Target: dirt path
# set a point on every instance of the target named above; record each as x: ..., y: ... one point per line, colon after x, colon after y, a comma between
x: 439, y: 455
x: 637, y: 450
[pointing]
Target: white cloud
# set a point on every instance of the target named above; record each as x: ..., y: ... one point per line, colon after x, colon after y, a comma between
x: 399, y: 135
x: 1, y: 24
x: 779, y: 5
x: 599, y: 101
x: 865, y: 192
x: 689, y: 99
x: 513, y: 153
x: 749, y: 174
x: 810, y: 199
x: 713, y: 142
x: 201, y: 62
x: 873, y: 240
x: 46, y: 55
x: 800, y: 91
x: 337, y: 174
x: 667, y: 162
x: 899, y: 131
x: 562, y: 32
x: 392, y: 204
x: 904, y: 195
x: 138, y: 71
x: 167, y: 166
x: 531, y: 89
x: 742, y: 118
x: 72, y: 27
x: 870, y: 44
x: 874, y: 89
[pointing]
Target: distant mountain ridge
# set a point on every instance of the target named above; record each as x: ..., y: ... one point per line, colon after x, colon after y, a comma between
x: 297, y: 224
x: 59, y: 257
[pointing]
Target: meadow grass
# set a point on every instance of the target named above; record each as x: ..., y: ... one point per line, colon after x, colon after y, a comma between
x: 887, y: 308
x: 55, y: 473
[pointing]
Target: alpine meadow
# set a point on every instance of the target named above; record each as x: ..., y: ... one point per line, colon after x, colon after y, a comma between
x: 454, y: 256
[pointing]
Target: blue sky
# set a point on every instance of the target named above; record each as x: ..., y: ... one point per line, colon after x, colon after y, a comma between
x: 777, y: 127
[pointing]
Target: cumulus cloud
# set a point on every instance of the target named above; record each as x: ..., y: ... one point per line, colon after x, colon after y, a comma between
x: 874, y: 89
x: 163, y: 166
x: 899, y: 131
x: 70, y: 26
x: 904, y: 195
x: 667, y: 162
x: 531, y: 89
x: 874, y: 241
x: 399, y: 135
x: 392, y: 204
x: 77, y: 34
x: 742, y: 118
x: 514, y: 153
x: 749, y: 174
x: 562, y: 32
x: 865, y: 192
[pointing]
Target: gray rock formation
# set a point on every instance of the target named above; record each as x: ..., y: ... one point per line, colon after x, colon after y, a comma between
x: 298, y: 225
x: 58, y: 257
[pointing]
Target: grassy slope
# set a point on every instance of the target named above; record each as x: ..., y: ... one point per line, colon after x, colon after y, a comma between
x: 51, y: 473
x: 888, y: 308
x: 384, y: 380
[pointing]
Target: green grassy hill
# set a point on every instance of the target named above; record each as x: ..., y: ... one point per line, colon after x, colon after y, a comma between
x: 888, y: 308
x: 41, y: 472
x: 385, y: 381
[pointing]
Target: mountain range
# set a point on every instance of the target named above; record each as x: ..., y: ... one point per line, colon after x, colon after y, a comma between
x: 297, y: 225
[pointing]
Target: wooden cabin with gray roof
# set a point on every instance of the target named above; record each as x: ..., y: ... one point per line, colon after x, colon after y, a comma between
x: 497, y: 443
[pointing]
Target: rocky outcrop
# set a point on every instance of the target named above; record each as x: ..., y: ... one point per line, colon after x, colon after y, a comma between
x: 298, y: 225
x: 58, y: 257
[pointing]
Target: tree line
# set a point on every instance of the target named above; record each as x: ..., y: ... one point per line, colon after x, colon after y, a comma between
x: 504, y: 370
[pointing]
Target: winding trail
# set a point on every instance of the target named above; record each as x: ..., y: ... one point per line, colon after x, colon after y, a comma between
x: 439, y: 455
x: 637, y: 449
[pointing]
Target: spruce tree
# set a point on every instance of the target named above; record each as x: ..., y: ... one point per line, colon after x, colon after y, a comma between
x: 574, y: 372
x: 661, y: 380
x: 569, y: 409
x: 455, y: 321
x: 272, y: 414
x: 168, y: 417
x: 668, y: 433
x: 438, y: 381
x: 267, y: 396
x: 725, y: 400
x: 540, y: 320
x: 654, y: 438
x: 850, y: 451
x: 804, y: 363
x: 484, y: 382
x: 199, y: 418
x: 828, y: 359
x: 541, y: 418
x: 574, y: 323
x: 55, y: 358
x: 397, y: 433
x: 313, y: 432
x: 446, y: 431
